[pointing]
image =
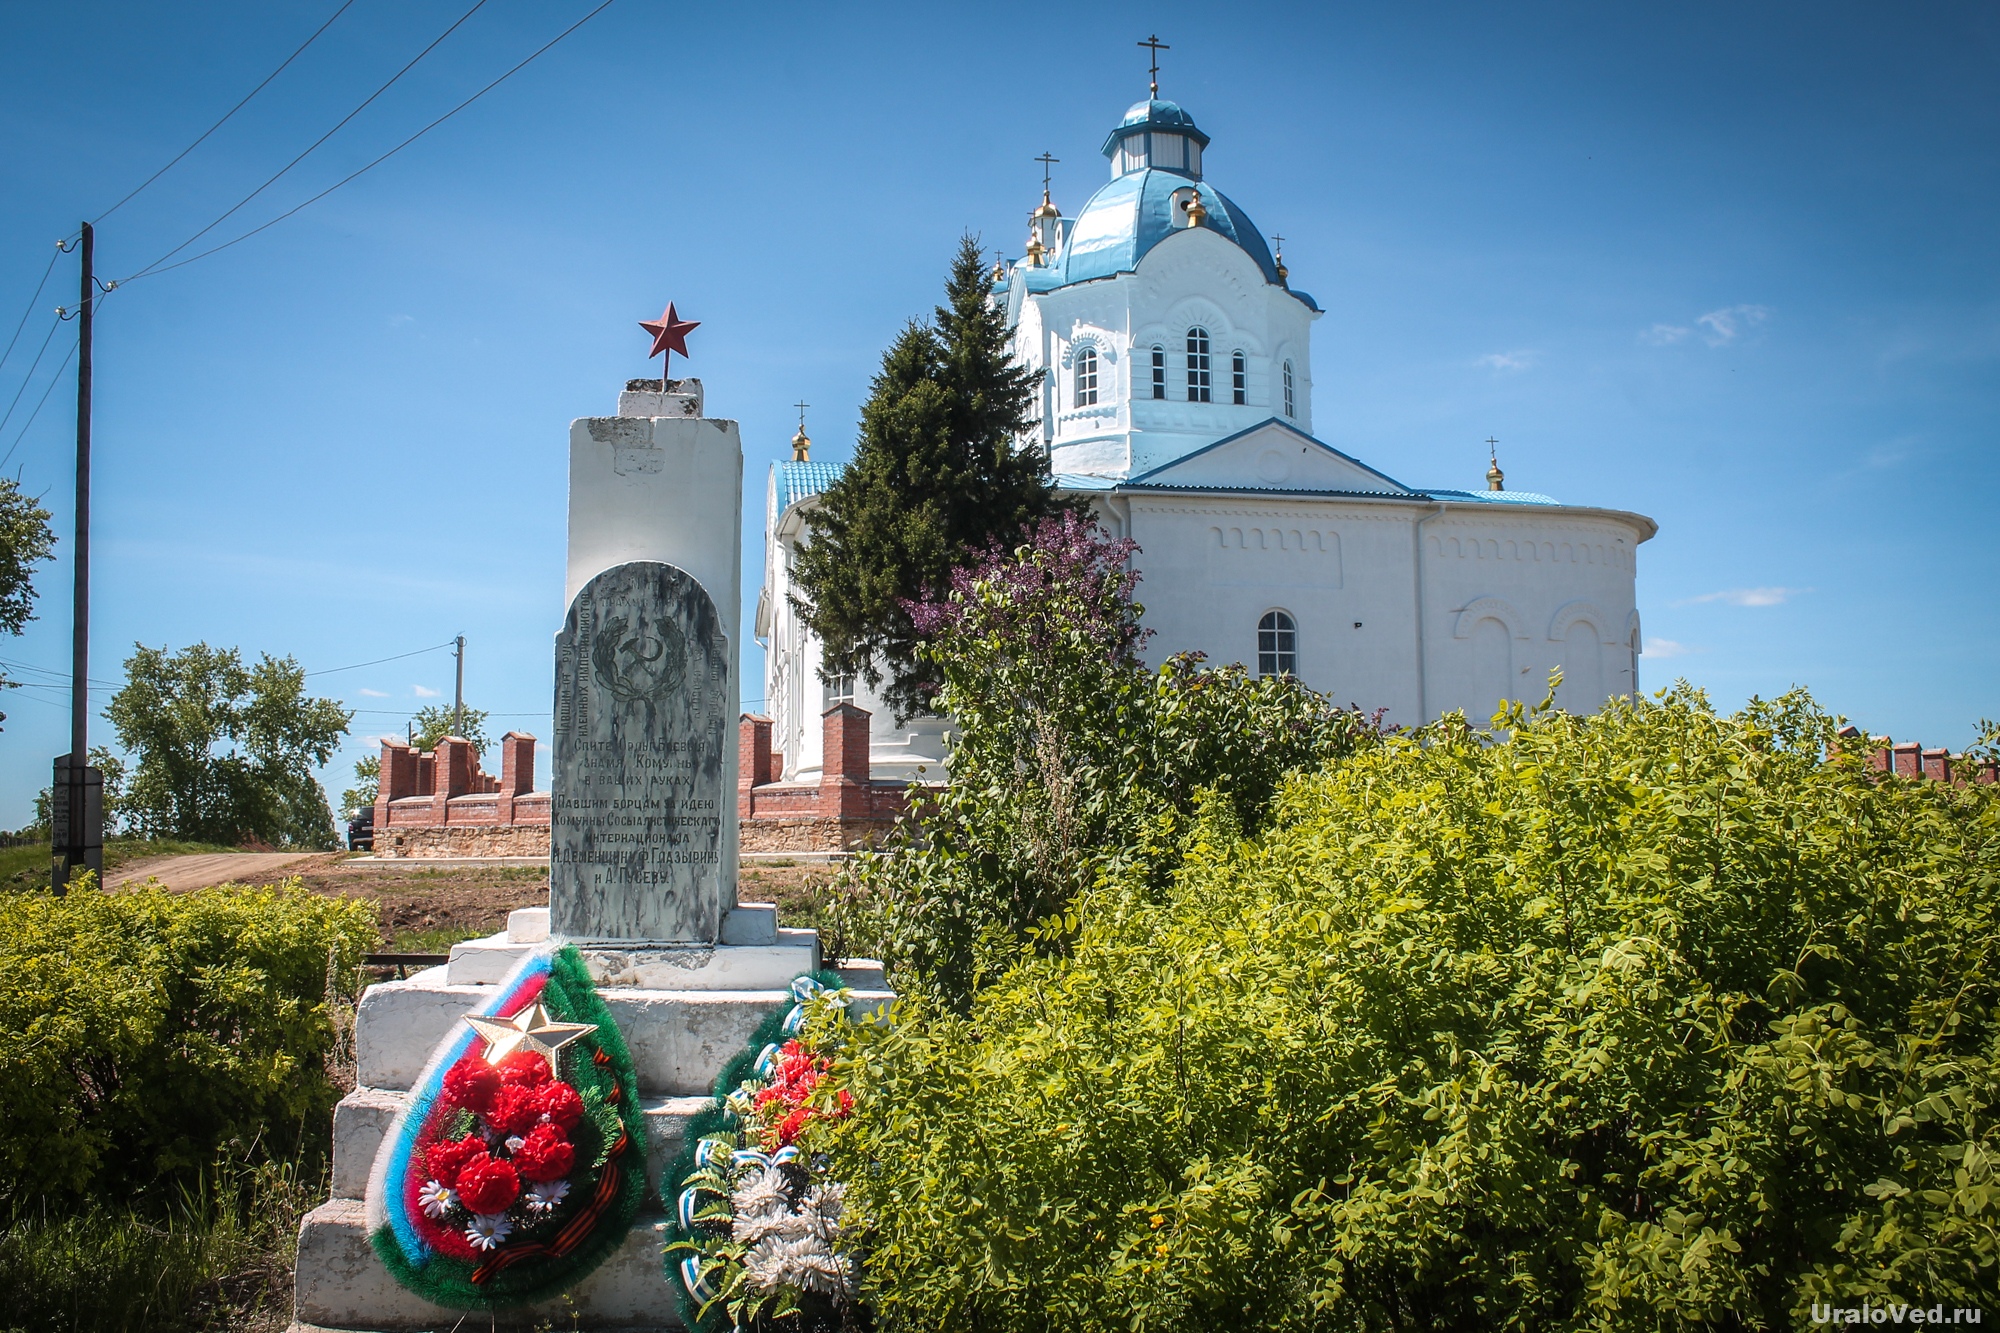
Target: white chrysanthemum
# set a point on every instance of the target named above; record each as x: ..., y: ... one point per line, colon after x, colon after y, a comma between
x: 436, y: 1200
x: 543, y: 1195
x: 804, y: 1263
x: 487, y: 1230
x: 766, y: 1192
x: 819, y: 1211
x: 514, y: 1142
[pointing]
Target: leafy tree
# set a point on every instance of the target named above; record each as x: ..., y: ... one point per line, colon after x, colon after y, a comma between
x: 1071, y: 760
x: 225, y: 752
x: 433, y: 724
x: 367, y: 784
x: 944, y: 466
x: 1650, y: 1019
x: 25, y: 541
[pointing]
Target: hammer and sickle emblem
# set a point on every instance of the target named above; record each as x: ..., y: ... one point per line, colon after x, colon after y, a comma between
x: 635, y: 661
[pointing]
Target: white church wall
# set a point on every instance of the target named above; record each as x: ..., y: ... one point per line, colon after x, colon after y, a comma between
x: 1212, y: 568
x: 1520, y: 592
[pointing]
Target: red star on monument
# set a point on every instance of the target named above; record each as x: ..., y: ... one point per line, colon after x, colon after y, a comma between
x: 670, y: 333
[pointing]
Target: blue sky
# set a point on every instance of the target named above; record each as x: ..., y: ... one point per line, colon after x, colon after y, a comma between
x: 1731, y: 266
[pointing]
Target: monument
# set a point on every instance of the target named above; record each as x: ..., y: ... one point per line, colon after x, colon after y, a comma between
x: 643, y: 868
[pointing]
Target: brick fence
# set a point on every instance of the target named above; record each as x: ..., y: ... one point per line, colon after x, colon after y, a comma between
x: 439, y: 802
x: 844, y: 811
x: 1909, y: 759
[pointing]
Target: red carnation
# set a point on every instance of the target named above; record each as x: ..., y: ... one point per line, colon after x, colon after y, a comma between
x: 471, y: 1083
x: 545, y: 1155
x: 447, y: 1159
x: 559, y: 1102
x: 515, y: 1110
x: 488, y: 1185
x: 525, y: 1068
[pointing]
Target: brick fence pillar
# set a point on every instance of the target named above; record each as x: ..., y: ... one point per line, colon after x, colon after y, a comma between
x: 454, y: 762
x: 397, y: 779
x: 1909, y: 759
x: 1937, y: 765
x: 517, y: 773
x: 843, y: 784
x: 753, y: 759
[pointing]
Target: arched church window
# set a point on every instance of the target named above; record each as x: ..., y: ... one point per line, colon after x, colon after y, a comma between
x: 1277, y: 644
x: 1291, y: 407
x: 1197, y: 366
x: 1159, y: 372
x: 1239, y: 379
x: 1086, y: 377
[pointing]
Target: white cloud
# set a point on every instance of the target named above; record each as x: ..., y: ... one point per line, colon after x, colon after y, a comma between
x: 398, y: 320
x: 1888, y: 455
x: 1746, y: 596
x: 1520, y: 360
x: 1665, y: 648
x: 372, y: 694
x: 423, y: 693
x: 1731, y: 322
x: 1662, y: 335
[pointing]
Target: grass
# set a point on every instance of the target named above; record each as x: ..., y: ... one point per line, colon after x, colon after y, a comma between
x: 198, y: 1261
x: 28, y: 867
x: 439, y: 939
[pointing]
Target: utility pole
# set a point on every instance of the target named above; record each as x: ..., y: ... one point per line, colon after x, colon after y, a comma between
x: 458, y: 693
x: 76, y: 797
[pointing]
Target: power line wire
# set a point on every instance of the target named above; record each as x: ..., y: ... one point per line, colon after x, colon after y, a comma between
x: 22, y: 434
x: 328, y: 671
x: 225, y: 116
x: 477, y: 6
x: 39, y: 354
x: 31, y: 305
x: 160, y: 265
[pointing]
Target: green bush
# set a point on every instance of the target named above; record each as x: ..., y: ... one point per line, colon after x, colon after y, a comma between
x: 1070, y: 759
x: 141, y: 1033
x: 1649, y: 1019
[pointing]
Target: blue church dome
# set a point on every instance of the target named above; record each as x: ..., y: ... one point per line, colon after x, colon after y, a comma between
x: 1154, y: 114
x: 1134, y: 212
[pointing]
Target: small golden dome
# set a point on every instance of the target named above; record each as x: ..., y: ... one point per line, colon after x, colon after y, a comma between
x: 801, y: 447
x: 1048, y: 208
x: 1496, y: 480
x: 1036, y: 251
x: 1195, y: 211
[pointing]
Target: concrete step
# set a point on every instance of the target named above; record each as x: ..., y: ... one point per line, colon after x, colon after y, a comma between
x: 762, y: 956
x: 679, y: 1039
x: 340, y: 1284
x: 363, y: 1118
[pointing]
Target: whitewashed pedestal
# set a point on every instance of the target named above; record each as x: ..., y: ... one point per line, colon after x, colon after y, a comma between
x: 680, y: 1037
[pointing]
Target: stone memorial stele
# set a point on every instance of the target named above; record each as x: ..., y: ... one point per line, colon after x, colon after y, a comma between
x: 643, y: 701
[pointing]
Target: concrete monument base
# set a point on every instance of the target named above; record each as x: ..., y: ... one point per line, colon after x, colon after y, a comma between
x: 680, y: 1036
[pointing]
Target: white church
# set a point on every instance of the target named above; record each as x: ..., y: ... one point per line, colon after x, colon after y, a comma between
x: 1177, y: 396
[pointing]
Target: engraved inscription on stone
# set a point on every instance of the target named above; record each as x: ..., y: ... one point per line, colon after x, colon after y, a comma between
x: 642, y: 692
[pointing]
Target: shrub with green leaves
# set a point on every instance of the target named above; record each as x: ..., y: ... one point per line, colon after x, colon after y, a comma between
x: 1652, y: 1019
x: 142, y: 1033
x: 1071, y: 760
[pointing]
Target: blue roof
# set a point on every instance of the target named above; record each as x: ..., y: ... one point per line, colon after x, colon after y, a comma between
x: 1154, y: 115
x: 1135, y: 212
x: 1493, y: 497
x: 799, y: 481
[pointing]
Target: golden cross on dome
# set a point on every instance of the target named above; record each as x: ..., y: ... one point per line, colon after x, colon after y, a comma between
x: 1047, y: 161
x: 1158, y: 46
x: 529, y: 1030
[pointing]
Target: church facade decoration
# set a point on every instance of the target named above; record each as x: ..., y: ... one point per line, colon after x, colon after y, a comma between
x: 1177, y: 396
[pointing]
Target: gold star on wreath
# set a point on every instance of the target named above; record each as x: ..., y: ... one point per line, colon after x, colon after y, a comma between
x: 531, y: 1030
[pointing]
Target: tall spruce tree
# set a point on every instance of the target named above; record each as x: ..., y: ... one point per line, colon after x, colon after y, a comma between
x: 945, y: 467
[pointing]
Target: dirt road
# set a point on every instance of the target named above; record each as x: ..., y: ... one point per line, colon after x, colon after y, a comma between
x: 198, y: 872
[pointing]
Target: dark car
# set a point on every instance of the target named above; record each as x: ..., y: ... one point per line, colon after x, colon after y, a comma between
x: 361, y: 830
